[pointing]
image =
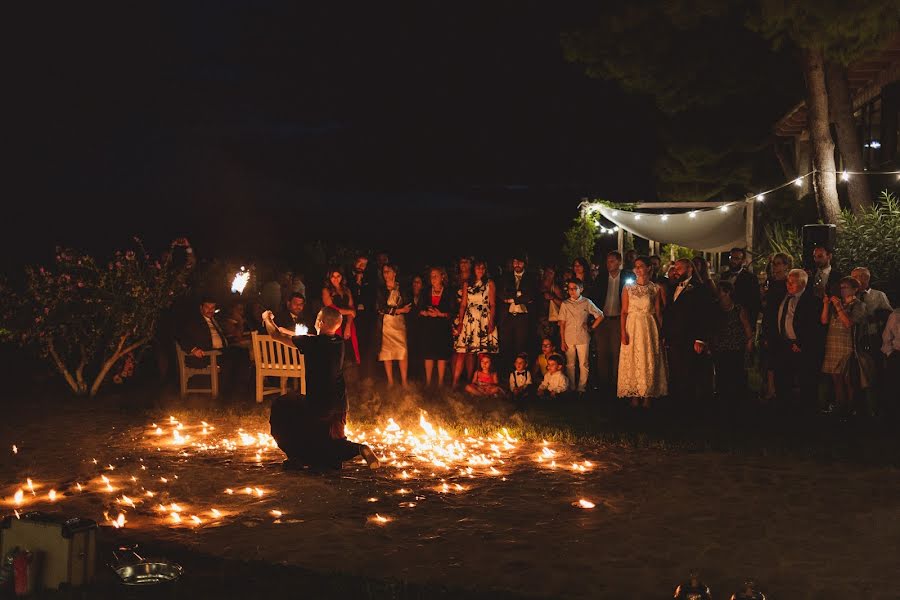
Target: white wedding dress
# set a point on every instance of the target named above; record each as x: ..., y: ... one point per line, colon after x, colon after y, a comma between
x: 642, y: 363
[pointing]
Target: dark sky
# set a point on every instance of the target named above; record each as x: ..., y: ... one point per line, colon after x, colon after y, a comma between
x: 250, y: 126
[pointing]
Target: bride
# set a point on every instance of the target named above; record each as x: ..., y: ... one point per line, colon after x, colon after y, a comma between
x: 642, y: 365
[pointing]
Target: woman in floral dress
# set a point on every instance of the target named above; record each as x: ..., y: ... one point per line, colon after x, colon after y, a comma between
x: 477, y: 331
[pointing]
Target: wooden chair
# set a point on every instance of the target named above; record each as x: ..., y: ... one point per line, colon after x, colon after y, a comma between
x: 211, y: 370
x: 274, y: 359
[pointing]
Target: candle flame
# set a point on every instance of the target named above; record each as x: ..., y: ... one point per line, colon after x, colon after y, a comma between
x: 585, y: 504
x: 52, y: 495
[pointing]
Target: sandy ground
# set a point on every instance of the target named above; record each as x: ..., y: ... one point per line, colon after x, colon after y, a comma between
x: 802, y: 528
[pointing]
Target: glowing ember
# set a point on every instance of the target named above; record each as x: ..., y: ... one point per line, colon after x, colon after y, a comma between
x: 229, y: 491
x: 52, y: 495
x: 275, y: 513
x: 378, y: 519
x: 240, y: 281
x: 18, y: 497
x: 15, y: 449
x: 119, y: 521
x: 78, y: 485
x: 176, y: 518
x: 30, y: 486
x: 196, y: 520
x: 584, y: 504
x: 215, y: 513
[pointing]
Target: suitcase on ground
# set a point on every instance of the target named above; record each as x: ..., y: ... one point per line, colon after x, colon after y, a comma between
x: 65, y: 549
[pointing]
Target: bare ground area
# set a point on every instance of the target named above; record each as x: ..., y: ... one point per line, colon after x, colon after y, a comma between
x: 804, y: 528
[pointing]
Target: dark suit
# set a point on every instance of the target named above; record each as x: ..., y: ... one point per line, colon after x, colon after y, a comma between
x: 802, y: 366
x: 607, y: 337
x: 687, y: 319
x: 515, y: 329
x: 233, y: 363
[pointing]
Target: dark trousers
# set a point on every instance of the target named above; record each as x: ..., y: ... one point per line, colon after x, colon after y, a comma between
x: 690, y: 376
x: 514, y: 332
x: 234, y: 370
x: 607, y: 338
x: 308, y: 435
x: 800, y: 369
x: 365, y: 336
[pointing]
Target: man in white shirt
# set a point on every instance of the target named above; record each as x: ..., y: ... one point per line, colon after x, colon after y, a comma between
x: 607, y: 337
x: 575, y: 332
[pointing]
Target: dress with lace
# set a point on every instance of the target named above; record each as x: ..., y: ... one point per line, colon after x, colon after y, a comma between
x: 642, y: 363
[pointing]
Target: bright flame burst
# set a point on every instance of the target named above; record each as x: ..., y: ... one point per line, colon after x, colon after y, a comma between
x: 425, y: 457
x: 240, y: 281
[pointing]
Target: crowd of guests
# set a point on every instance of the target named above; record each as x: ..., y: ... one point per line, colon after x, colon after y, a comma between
x: 627, y: 327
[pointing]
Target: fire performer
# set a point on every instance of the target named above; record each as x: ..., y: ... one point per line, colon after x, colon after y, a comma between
x: 310, y: 428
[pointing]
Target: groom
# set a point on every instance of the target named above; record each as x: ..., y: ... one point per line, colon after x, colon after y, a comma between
x: 686, y: 328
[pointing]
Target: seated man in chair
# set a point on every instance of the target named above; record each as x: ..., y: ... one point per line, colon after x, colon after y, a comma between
x: 203, y: 333
x: 310, y: 428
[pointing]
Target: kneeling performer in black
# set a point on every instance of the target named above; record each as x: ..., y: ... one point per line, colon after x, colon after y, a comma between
x: 310, y: 428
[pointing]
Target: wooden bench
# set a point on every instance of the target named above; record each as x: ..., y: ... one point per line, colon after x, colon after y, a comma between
x: 274, y: 359
x: 211, y: 370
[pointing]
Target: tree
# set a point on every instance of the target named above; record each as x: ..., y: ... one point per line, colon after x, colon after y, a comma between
x: 829, y: 32
x: 84, y: 318
x: 580, y: 238
x: 717, y: 85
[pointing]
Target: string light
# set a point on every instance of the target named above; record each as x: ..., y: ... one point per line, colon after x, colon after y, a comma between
x: 637, y: 217
x: 665, y: 217
x: 798, y: 182
x: 693, y: 214
x: 845, y: 176
x: 760, y: 197
x: 724, y: 208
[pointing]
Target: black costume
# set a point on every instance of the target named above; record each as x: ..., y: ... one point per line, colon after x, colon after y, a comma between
x: 516, y: 328
x: 310, y: 428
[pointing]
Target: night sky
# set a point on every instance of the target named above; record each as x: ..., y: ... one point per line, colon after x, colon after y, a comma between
x: 252, y: 126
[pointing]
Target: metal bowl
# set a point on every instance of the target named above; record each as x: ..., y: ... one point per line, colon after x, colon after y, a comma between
x: 149, y: 573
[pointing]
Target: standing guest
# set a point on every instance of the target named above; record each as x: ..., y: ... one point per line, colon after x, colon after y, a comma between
x: 436, y: 335
x: 381, y: 259
x: 363, y: 292
x: 575, y: 331
x: 797, y: 355
x: 271, y: 293
x: 477, y: 311
x: 294, y: 313
x: 463, y: 280
x: 774, y: 291
x: 582, y: 269
x: 825, y: 277
x: 392, y: 308
x: 686, y: 328
x: 548, y: 310
x: 701, y: 273
x: 202, y: 333
x: 540, y: 365
x: 643, y: 373
x: 878, y: 309
x: 414, y: 341
x: 890, y: 347
x: 233, y: 324
x: 746, y: 286
x: 485, y: 381
x: 630, y: 256
x: 731, y: 341
x: 658, y: 277
x: 842, y: 314
x: 309, y: 429
x: 336, y: 294
x: 517, y: 292
x: 298, y: 286
x: 554, y: 382
x: 521, y: 385
x: 607, y: 294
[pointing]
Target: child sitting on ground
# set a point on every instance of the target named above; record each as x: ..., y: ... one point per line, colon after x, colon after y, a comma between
x: 555, y: 382
x: 521, y: 386
x: 485, y: 381
x: 540, y: 365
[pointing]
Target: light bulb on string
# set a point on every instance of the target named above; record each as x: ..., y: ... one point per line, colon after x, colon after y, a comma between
x: 615, y: 213
x: 637, y: 217
x: 760, y: 197
x: 724, y: 208
x: 845, y: 176
x: 693, y: 214
x: 665, y: 217
x: 798, y: 182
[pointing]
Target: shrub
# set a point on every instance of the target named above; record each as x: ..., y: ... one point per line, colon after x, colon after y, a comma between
x: 871, y: 239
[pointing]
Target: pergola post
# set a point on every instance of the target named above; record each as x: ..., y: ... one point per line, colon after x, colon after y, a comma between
x: 621, y: 240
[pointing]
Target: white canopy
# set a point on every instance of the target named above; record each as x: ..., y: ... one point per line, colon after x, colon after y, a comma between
x: 716, y: 230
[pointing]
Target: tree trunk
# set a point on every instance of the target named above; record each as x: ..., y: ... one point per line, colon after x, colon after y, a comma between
x: 112, y: 360
x: 824, y: 177
x: 847, y: 136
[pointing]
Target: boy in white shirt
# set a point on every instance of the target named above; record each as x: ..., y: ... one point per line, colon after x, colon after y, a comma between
x: 575, y: 333
x: 554, y: 382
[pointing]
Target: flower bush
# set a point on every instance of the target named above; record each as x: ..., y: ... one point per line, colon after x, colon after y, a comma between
x: 84, y: 316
